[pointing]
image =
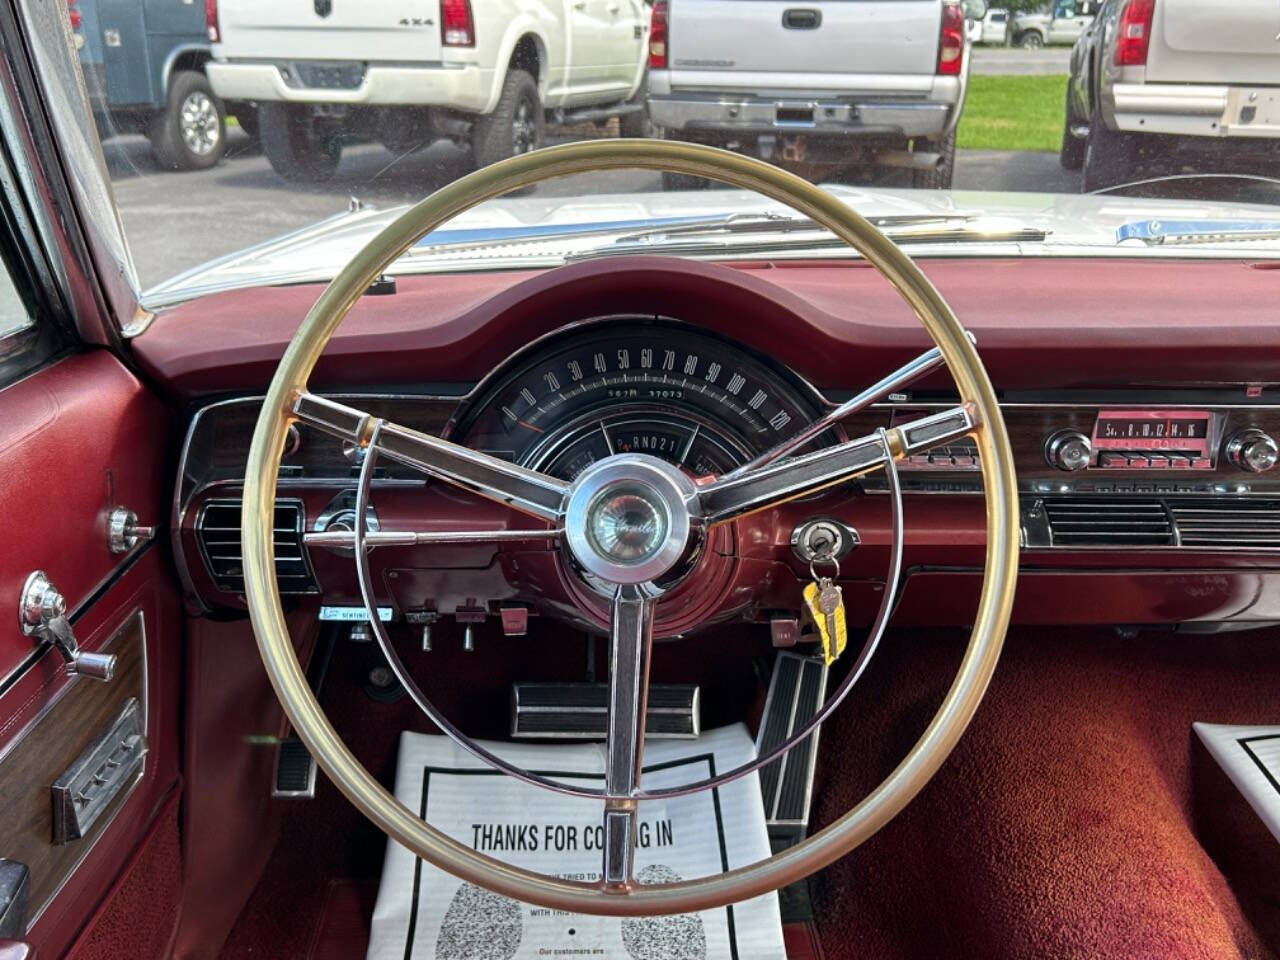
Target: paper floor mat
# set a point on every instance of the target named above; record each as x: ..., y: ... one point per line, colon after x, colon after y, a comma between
x: 425, y: 914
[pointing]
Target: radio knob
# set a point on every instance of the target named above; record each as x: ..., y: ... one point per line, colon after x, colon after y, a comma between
x: 1068, y: 450
x: 1253, y: 450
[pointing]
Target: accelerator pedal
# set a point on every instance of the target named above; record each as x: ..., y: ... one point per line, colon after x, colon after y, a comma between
x: 796, y: 691
x: 580, y: 711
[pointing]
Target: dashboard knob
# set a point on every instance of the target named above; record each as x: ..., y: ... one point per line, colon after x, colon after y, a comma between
x: 1253, y: 450
x: 1068, y: 450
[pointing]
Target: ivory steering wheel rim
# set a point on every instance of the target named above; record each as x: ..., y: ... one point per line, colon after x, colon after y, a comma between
x: 815, y: 852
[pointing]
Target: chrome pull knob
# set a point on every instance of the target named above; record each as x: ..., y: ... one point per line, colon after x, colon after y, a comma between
x: 123, y: 531
x: 1253, y: 450
x: 42, y: 613
x: 1068, y: 450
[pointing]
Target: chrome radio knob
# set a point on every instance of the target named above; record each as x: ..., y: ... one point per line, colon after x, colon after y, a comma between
x: 1068, y: 450
x: 1253, y: 450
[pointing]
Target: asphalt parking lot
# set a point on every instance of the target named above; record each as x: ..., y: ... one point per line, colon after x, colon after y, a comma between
x: 176, y: 221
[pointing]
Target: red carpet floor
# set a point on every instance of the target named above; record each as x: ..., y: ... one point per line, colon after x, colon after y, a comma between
x: 1063, y: 825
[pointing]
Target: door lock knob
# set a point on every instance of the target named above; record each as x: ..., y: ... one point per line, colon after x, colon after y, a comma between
x: 42, y: 613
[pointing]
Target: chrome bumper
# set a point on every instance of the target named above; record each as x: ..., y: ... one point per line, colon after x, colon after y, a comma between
x: 821, y: 118
x: 1202, y: 110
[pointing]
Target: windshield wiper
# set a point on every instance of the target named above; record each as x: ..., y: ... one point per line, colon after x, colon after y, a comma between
x: 1156, y: 233
x: 741, y: 233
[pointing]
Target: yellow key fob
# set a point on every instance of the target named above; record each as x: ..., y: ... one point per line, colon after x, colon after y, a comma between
x: 825, y: 603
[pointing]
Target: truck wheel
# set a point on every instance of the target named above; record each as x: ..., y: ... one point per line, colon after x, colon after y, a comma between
x: 1071, y: 155
x: 1029, y: 40
x: 296, y: 148
x: 1110, y: 157
x: 191, y: 132
x: 636, y: 124
x: 247, y: 117
x: 941, y: 177
x: 514, y: 127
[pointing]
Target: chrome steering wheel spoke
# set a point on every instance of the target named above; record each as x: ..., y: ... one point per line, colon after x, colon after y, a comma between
x: 630, y: 643
x: 527, y: 491
x: 739, y: 494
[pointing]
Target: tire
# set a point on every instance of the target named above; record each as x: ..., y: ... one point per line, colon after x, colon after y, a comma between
x: 295, y: 145
x: 1030, y: 40
x: 247, y: 117
x: 1071, y: 155
x: 516, y: 125
x: 1109, y: 157
x: 940, y: 178
x: 636, y: 125
x: 191, y: 132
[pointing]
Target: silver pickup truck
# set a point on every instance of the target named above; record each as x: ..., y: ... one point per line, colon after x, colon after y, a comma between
x: 815, y: 85
x: 1162, y: 82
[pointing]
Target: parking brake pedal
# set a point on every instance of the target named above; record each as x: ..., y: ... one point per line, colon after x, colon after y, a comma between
x: 580, y: 711
x: 796, y: 691
x: 295, y: 770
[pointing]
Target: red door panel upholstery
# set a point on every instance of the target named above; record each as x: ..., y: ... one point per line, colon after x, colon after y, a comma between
x: 76, y: 439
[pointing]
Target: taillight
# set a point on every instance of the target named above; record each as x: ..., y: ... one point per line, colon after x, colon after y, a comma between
x: 1134, y: 33
x: 457, y: 29
x: 75, y: 14
x: 658, y: 36
x: 211, y: 20
x: 951, y: 39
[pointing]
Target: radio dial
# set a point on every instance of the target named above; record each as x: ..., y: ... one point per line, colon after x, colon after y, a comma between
x: 1253, y: 450
x: 1068, y: 450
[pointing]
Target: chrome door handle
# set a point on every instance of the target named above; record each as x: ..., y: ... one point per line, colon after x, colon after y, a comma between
x: 42, y: 613
x: 580, y: 5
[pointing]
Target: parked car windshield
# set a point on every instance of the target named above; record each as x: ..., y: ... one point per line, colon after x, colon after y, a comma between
x: 229, y: 124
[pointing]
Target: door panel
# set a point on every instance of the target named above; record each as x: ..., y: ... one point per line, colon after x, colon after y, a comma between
x: 77, y: 438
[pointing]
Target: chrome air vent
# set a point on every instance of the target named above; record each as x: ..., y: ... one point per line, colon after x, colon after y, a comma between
x: 218, y: 533
x: 1081, y: 522
x: 1241, y: 523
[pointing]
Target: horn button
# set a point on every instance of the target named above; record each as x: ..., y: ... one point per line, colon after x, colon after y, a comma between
x: 628, y: 518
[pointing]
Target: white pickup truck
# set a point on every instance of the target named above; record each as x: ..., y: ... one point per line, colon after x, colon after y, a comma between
x: 814, y: 85
x: 407, y: 72
x: 1159, y: 79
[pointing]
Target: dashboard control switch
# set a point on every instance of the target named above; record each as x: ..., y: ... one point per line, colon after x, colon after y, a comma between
x: 785, y: 631
x: 423, y: 618
x: 515, y: 621
x: 1068, y: 450
x: 469, y: 616
x: 1253, y: 450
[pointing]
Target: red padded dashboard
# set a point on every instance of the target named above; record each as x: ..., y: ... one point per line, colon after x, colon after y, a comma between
x: 1041, y: 324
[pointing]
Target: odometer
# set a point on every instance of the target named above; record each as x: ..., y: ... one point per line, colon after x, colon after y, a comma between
x: 658, y: 388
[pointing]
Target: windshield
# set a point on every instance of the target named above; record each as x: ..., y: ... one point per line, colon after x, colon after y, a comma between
x: 1036, y: 128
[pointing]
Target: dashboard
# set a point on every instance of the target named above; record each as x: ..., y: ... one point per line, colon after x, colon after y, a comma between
x: 1152, y: 501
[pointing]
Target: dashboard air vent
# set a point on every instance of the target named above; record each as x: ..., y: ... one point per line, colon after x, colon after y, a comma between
x: 1119, y: 523
x: 1245, y: 523
x: 218, y: 533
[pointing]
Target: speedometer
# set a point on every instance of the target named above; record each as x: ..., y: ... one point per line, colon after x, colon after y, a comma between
x: 660, y: 388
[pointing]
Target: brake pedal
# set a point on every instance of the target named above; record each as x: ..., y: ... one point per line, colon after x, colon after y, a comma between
x: 796, y: 692
x: 295, y: 770
x: 580, y: 711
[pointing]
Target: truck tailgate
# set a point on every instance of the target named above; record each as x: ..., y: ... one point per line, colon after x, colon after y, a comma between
x: 1219, y: 43
x: 385, y: 30
x: 823, y: 37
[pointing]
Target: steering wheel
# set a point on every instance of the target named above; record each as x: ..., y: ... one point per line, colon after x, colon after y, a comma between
x: 631, y: 524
